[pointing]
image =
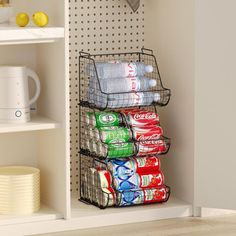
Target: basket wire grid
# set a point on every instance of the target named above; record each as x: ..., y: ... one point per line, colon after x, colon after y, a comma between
x: 92, y: 144
x: 92, y: 193
x: 92, y: 94
x: 94, y: 151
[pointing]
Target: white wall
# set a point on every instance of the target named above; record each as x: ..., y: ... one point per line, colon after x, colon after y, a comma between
x: 169, y: 30
x: 215, y: 114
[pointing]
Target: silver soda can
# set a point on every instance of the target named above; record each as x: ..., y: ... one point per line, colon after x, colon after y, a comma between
x: 106, y: 197
x: 94, y: 134
x: 91, y: 175
x: 87, y: 144
x: 92, y: 147
x: 104, y: 150
x: 88, y: 118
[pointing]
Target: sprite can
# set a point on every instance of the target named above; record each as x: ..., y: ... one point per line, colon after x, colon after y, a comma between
x: 119, y: 149
x: 114, y: 133
x: 103, y: 119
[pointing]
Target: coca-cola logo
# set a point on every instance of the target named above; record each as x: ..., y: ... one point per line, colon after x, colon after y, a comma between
x: 152, y: 139
x: 146, y: 116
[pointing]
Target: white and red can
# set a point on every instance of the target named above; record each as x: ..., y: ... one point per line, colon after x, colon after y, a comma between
x: 149, y: 134
x: 147, y: 147
x: 142, y: 196
x: 140, y: 118
x: 156, y: 195
x: 105, y: 197
x: 147, y: 164
x: 136, y: 181
x: 103, y: 179
x: 131, y: 165
x: 129, y: 111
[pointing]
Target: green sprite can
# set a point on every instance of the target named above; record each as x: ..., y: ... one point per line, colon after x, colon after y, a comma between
x: 103, y: 119
x: 119, y: 149
x: 109, y: 134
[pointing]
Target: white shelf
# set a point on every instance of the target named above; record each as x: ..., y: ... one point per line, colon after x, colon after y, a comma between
x: 36, y: 123
x: 89, y: 214
x: 16, y: 35
x: 44, y: 214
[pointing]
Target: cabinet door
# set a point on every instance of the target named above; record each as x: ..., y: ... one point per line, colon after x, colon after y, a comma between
x: 215, y: 109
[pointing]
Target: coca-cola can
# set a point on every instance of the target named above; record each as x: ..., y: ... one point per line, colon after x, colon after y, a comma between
x: 146, y: 147
x: 142, y: 118
x: 150, y: 133
x: 130, y: 111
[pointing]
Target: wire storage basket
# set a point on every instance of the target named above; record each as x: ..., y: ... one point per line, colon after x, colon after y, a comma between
x: 97, y: 92
x: 93, y: 190
x: 117, y: 141
x: 120, y: 127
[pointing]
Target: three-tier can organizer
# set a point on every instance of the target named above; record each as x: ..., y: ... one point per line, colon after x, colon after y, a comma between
x: 120, y: 157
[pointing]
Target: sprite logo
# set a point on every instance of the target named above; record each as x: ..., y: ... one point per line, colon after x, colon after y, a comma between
x: 107, y: 119
x: 118, y: 143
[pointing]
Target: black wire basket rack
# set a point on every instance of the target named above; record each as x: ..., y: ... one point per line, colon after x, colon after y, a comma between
x: 95, y: 93
x: 121, y: 143
x: 99, y: 145
x: 92, y: 193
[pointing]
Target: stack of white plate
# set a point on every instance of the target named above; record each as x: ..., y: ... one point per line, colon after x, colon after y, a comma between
x: 19, y: 190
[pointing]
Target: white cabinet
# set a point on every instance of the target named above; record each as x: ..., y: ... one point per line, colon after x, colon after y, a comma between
x: 44, y: 141
x: 194, y: 44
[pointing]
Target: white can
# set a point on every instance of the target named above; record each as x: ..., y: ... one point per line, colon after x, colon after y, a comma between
x: 103, y: 179
x: 106, y: 197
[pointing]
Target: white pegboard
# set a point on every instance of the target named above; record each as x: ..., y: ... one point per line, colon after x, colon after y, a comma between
x: 98, y: 26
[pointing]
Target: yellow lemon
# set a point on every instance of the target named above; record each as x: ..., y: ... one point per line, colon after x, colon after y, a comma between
x: 40, y: 19
x: 22, y: 19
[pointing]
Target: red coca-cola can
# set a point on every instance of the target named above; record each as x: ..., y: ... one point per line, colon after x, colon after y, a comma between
x: 129, y: 111
x: 151, y: 147
x: 150, y: 133
x: 142, y: 118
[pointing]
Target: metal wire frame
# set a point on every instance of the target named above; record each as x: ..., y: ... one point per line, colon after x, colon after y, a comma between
x: 91, y: 193
x: 103, y: 100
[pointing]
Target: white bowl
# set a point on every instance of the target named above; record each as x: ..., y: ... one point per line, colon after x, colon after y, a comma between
x: 5, y: 14
x: 19, y: 190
